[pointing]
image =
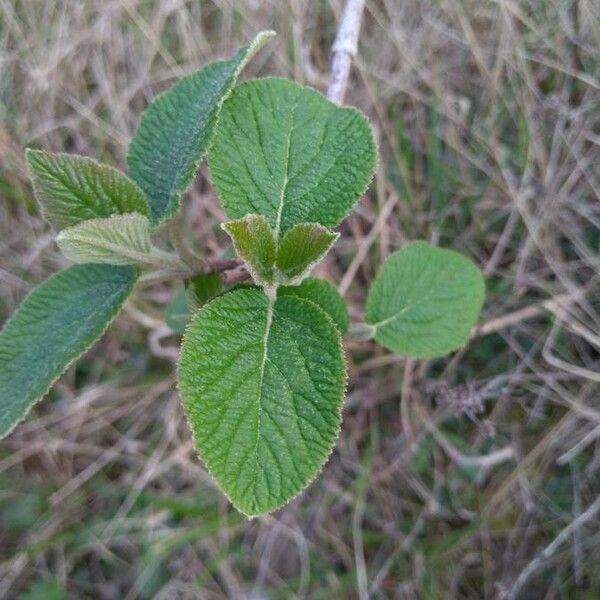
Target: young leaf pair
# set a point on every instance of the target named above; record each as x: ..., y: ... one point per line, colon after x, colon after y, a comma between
x: 274, y: 263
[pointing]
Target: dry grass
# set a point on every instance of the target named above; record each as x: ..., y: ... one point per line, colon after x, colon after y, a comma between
x: 470, y: 477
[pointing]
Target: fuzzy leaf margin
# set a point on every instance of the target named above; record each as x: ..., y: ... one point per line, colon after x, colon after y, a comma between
x: 177, y: 128
x: 54, y: 326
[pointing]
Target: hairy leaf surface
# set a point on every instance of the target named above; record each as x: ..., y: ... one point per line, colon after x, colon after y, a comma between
x: 54, y: 325
x: 301, y: 248
x: 324, y: 295
x: 177, y: 128
x: 262, y: 384
x: 425, y: 300
x: 118, y: 240
x: 286, y: 152
x: 72, y: 189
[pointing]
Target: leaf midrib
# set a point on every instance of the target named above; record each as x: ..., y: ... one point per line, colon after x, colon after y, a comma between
x: 261, y: 378
x: 112, y: 247
x: 286, y: 173
x: 410, y: 306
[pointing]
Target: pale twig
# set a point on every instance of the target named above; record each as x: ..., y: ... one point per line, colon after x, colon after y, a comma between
x: 405, y: 396
x: 546, y: 554
x: 484, y: 461
x: 366, y: 244
x: 344, y: 49
x: 529, y: 312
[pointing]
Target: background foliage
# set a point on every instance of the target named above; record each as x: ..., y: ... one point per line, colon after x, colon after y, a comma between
x: 487, y: 117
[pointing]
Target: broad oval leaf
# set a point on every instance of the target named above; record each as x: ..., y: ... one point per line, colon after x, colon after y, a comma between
x: 425, y: 300
x: 288, y: 153
x: 177, y: 128
x: 72, y: 189
x: 54, y: 325
x: 324, y: 295
x: 301, y: 248
x: 255, y: 245
x: 262, y: 384
x: 118, y: 240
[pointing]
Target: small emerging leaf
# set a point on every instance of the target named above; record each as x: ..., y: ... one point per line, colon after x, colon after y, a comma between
x: 72, y: 189
x: 177, y: 128
x: 255, y: 245
x: 54, y: 325
x: 262, y: 384
x: 301, y: 248
x: 203, y: 288
x: 325, y: 296
x: 425, y: 300
x: 288, y: 153
x: 198, y: 290
x: 118, y: 240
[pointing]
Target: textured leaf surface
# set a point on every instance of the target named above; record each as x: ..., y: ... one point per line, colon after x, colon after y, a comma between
x: 324, y: 295
x: 262, y: 384
x: 176, y: 129
x: 118, y: 240
x: 55, y: 324
x: 301, y: 248
x: 255, y: 245
x: 72, y: 189
x: 286, y: 152
x: 425, y: 300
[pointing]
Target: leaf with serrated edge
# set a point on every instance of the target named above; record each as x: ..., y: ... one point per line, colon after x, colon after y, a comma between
x: 288, y: 153
x: 262, y: 384
x: 301, y: 248
x: 55, y: 325
x: 72, y: 189
x: 118, y: 240
x: 325, y: 296
x: 255, y: 245
x: 177, y: 128
x: 425, y: 300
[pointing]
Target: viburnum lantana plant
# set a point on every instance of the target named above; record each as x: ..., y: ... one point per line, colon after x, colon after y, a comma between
x: 262, y: 371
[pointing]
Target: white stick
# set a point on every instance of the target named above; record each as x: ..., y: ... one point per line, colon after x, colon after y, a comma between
x: 344, y: 49
x: 542, y: 559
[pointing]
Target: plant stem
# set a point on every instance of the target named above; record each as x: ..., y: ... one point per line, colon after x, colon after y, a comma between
x: 344, y: 49
x: 232, y: 271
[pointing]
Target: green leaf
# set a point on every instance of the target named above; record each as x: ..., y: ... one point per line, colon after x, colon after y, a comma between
x: 203, y: 288
x: 255, y: 245
x: 118, y: 240
x: 286, y: 152
x: 54, y: 325
x: 198, y: 290
x: 301, y: 248
x: 177, y: 128
x: 72, y: 189
x: 177, y: 313
x: 262, y: 384
x: 324, y: 295
x: 425, y: 300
